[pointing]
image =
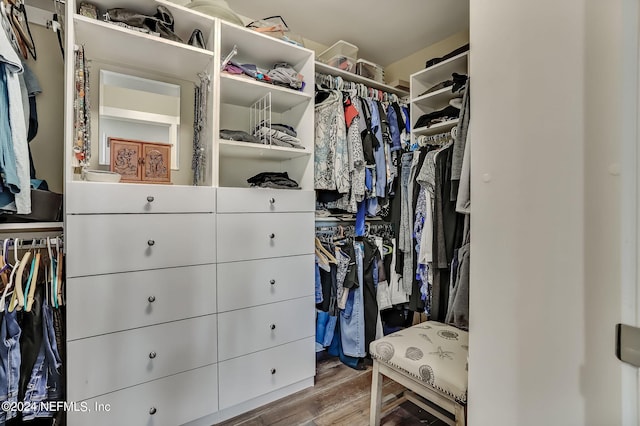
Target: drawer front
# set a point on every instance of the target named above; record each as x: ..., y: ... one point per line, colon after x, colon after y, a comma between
x: 174, y: 400
x: 250, y: 376
x: 114, y: 361
x: 247, y: 236
x: 115, y: 302
x: 259, y: 282
x: 260, y: 200
x: 253, y: 329
x: 102, y: 244
x: 99, y: 197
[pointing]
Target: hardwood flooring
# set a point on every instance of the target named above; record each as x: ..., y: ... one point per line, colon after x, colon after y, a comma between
x: 340, y: 397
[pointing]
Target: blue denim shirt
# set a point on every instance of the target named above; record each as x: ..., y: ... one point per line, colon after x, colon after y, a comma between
x: 378, y: 153
x: 352, y: 318
x: 395, y: 131
x: 10, y: 367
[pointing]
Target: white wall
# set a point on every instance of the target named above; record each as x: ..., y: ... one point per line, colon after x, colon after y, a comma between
x: 548, y: 92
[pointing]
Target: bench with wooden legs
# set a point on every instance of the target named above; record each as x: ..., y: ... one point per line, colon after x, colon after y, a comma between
x: 430, y: 360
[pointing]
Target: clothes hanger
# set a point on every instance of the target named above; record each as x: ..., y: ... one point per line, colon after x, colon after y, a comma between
x: 17, y: 300
x: 8, y: 289
x: 19, y: 20
x: 330, y: 257
x: 59, y: 275
x: 32, y: 283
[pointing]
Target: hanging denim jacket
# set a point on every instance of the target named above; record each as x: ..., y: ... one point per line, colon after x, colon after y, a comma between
x: 10, y: 366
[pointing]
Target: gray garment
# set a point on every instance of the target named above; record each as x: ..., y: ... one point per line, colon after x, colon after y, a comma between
x: 460, y: 142
x: 458, y: 310
x: 284, y: 129
x: 31, y: 81
x: 408, y: 272
x: 463, y: 202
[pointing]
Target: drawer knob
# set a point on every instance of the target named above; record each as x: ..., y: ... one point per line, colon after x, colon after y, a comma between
x: 272, y: 282
x: 272, y: 236
x: 273, y: 371
x: 152, y: 355
x: 151, y: 243
x: 272, y: 326
x: 272, y: 200
x: 152, y: 410
x: 150, y: 199
x: 152, y: 299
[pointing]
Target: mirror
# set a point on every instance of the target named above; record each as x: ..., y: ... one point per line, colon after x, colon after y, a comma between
x: 140, y: 109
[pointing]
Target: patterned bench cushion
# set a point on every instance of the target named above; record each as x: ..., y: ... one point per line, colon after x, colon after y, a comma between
x: 431, y: 352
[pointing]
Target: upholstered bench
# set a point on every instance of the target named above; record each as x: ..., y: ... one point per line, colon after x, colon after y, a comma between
x: 430, y: 360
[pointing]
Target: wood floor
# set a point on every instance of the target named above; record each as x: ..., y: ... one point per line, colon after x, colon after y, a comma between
x: 340, y: 397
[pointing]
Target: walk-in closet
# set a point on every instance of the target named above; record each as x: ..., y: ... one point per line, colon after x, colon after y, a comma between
x: 277, y: 213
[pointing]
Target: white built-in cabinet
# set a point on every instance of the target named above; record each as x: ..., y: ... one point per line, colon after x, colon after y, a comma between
x: 425, y: 79
x: 190, y: 304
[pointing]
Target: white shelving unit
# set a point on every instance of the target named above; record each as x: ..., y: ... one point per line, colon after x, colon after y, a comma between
x: 238, y: 161
x: 229, y: 311
x: 422, y: 103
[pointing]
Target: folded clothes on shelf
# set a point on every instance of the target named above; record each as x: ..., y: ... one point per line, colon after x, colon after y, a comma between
x: 278, y: 138
x: 281, y: 74
x: 278, y: 180
x: 445, y: 114
x: 458, y: 81
x: 285, y: 128
x: 238, y: 135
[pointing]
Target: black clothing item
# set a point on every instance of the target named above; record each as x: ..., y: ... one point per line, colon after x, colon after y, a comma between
x: 324, y: 196
x: 416, y: 304
x: 459, y: 50
x: 31, y: 324
x: 351, y: 279
x: 238, y: 135
x: 458, y: 81
x: 371, y: 256
x: 426, y: 120
x: 369, y: 140
x: 328, y: 280
x: 281, y: 179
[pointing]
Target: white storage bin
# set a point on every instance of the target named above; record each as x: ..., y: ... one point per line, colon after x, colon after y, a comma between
x: 370, y: 70
x: 341, y: 55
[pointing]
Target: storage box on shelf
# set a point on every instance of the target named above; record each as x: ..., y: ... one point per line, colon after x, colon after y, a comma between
x: 238, y: 160
x: 370, y: 70
x: 424, y: 100
x: 341, y: 55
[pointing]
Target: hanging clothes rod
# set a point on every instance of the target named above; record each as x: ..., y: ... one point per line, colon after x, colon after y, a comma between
x: 364, y: 91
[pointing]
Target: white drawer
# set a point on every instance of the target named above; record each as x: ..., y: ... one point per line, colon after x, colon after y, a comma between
x: 107, y: 303
x: 177, y: 399
x: 261, y: 200
x: 102, y: 244
x: 258, y: 282
x: 107, y: 363
x: 247, y: 236
x: 253, y: 329
x: 98, y: 197
x: 247, y: 377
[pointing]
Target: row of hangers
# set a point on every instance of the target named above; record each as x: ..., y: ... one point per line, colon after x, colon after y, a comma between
x: 14, y: 269
x: 16, y: 25
x: 359, y: 89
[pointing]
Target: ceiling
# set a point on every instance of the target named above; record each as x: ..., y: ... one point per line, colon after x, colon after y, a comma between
x: 383, y: 31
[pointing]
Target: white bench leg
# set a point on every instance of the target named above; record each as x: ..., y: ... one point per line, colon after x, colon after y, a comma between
x: 460, y: 420
x: 376, y: 395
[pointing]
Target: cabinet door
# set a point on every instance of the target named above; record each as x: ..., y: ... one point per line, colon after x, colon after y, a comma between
x: 156, y: 163
x: 249, y: 376
x: 253, y: 329
x: 102, y: 364
x: 125, y: 159
x: 247, y: 236
x: 117, y: 302
x: 105, y: 244
x: 258, y: 282
x: 171, y: 401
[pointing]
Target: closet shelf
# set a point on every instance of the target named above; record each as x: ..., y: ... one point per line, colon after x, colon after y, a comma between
x: 261, y: 49
x: 435, y: 100
x: 442, y: 71
x: 114, y: 44
x: 247, y: 150
x: 327, y: 69
x: 435, y: 129
x: 237, y: 90
x: 31, y: 226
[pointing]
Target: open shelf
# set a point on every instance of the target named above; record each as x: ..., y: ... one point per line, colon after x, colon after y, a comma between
x: 31, y: 226
x: 244, y: 91
x: 435, y: 100
x: 114, y: 44
x: 327, y: 69
x: 261, y: 49
x: 247, y: 150
x: 442, y: 71
x: 436, y: 128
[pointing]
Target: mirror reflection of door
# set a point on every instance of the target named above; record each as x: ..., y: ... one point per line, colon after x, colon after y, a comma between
x: 138, y: 108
